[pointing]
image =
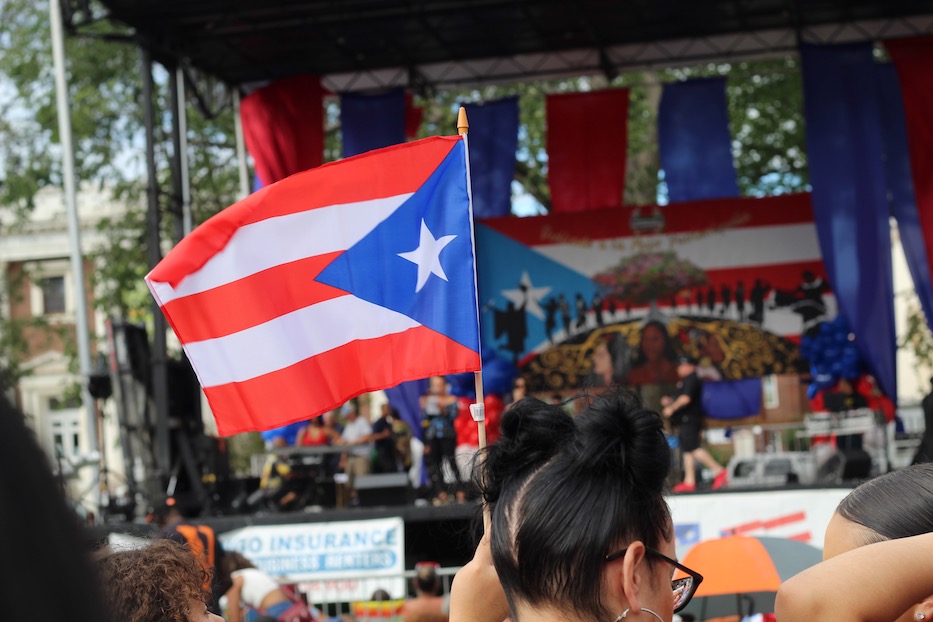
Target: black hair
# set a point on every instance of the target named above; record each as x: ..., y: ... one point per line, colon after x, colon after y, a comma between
x: 380, y: 595
x: 530, y: 432
x: 571, y: 492
x: 895, y: 505
x: 426, y: 580
x: 41, y: 539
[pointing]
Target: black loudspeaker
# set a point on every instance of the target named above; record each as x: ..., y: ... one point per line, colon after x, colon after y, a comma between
x: 133, y: 352
x: 857, y: 464
x: 383, y: 489
x: 184, y: 392
x: 100, y: 386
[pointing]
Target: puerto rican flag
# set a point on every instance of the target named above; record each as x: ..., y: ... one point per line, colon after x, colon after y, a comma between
x: 351, y: 277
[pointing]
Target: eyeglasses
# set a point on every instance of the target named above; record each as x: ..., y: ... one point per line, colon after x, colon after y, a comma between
x: 683, y: 587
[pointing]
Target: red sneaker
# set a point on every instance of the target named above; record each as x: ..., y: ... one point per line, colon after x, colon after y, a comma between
x: 684, y: 487
x: 721, y: 480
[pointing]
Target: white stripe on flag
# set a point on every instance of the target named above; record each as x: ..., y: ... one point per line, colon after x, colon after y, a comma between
x: 275, y: 241
x: 291, y: 338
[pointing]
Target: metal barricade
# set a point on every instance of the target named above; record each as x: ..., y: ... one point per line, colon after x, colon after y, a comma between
x: 326, y: 595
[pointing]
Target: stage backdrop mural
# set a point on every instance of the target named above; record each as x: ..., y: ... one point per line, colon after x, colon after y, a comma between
x: 616, y: 295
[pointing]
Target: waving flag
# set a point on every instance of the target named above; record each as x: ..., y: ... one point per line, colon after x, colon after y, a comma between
x: 351, y: 277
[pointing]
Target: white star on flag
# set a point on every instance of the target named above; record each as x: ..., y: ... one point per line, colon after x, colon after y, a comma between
x: 530, y: 297
x: 428, y: 255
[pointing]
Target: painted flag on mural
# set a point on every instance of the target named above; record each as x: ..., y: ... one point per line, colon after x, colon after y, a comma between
x: 347, y: 278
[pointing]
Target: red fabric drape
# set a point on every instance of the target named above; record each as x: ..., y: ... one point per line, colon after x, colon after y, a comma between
x: 283, y: 125
x: 913, y: 58
x: 587, y: 139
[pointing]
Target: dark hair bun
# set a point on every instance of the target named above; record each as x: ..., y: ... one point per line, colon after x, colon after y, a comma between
x: 531, y: 432
x: 618, y: 433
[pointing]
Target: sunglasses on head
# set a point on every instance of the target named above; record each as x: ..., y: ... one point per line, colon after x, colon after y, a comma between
x: 683, y: 588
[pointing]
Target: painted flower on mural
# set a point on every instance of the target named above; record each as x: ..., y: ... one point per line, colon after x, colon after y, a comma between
x: 647, y: 277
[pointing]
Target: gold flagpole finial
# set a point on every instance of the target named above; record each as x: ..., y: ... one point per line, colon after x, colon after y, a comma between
x: 463, y: 126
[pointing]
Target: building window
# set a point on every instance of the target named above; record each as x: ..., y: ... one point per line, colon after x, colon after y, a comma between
x: 53, y: 294
x: 51, y: 291
x: 65, y: 431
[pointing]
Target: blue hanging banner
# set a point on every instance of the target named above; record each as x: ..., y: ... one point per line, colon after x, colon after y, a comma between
x: 371, y: 121
x: 694, y: 141
x: 901, y: 185
x: 493, y: 143
x: 732, y: 399
x: 850, y: 205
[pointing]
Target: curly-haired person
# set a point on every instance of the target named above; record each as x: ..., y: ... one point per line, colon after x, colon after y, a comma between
x: 161, y: 582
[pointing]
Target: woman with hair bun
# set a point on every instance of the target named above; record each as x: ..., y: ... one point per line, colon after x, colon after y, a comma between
x: 579, y: 528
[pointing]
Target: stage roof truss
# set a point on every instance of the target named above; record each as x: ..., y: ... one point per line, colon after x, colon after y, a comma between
x: 361, y: 45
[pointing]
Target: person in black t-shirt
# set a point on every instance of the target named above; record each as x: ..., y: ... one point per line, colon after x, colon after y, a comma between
x: 685, y: 411
x: 384, y: 442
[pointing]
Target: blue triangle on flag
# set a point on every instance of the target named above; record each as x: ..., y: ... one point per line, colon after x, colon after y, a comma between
x: 374, y: 270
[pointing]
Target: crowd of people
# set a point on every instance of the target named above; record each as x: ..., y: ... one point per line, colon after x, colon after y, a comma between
x: 446, y: 438
x: 611, y: 558
x: 361, y: 447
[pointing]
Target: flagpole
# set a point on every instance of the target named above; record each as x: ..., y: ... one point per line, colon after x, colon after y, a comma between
x: 477, y: 410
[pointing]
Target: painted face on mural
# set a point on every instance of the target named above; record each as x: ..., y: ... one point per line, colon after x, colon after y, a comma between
x: 602, y: 361
x: 652, y: 343
x: 713, y: 349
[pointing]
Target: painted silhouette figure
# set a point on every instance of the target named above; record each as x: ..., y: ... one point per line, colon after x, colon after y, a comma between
x: 757, y: 297
x: 740, y: 300
x: 551, y: 306
x: 726, y: 293
x: 580, y: 305
x: 564, y: 307
x: 598, y: 308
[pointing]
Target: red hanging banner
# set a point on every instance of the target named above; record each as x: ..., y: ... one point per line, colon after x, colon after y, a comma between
x: 283, y: 125
x: 913, y: 58
x: 587, y: 140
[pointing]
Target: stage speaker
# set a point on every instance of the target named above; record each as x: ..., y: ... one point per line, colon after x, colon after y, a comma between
x: 383, y: 489
x: 857, y: 464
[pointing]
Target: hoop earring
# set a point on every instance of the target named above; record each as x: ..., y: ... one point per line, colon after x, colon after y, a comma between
x: 625, y: 613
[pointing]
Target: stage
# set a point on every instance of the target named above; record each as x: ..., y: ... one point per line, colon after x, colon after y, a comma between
x: 446, y: 534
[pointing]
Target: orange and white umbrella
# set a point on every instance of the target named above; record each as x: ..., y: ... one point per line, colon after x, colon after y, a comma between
x: 741, y: 574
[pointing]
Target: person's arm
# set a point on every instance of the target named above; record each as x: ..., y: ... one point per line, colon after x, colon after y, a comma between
x: 677, y: 404
x: 476, y: 594
x: 427, y: 616
x: 873, y: 583
x: 233, y: 601
x: 299, y: 438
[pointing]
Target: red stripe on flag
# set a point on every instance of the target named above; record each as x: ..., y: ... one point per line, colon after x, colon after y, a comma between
x: 806, y: 536
x: 332, y: 378
x: 688, y: 219
x: 251, y: 300
x: 401, y: 169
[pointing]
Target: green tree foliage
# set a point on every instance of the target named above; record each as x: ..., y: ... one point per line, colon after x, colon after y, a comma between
x: 917, y: 338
